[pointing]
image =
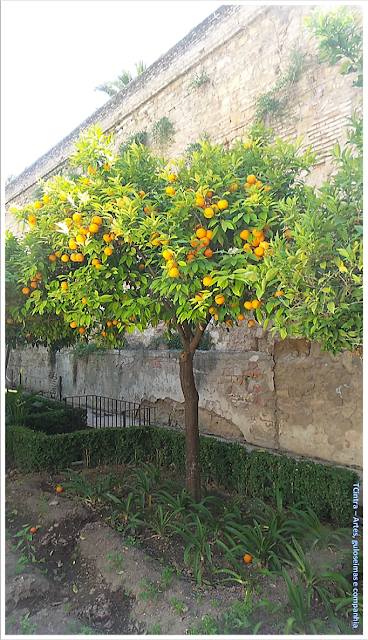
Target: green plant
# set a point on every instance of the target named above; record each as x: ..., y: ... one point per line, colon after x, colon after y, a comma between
x: 150, y: 590
x: 124, y: 508
x: 196, y: 540
x: 177, y: 605
x: 17, y: 406
x: 84, y: 350
x: 27, y: 628
x: 340, y: 37
x: 167, y: 577
x: 25, y: 545
x: 199, y: 79
x: 137, y: 138
x: 156, y: 630
x: 90, y: 492
x: 274, y: 104
x: 195, y: 147
x: 67, y: 607
x: 115, y: 560
x: 163, y: 133
x: 240, y: 617
x: 160, y: 522
x: 114, y: 86
x: 210, y: 626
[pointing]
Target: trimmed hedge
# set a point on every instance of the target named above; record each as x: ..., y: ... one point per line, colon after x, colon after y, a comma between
x: 327, y: 490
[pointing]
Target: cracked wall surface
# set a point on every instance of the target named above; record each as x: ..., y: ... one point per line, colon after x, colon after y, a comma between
x: 287, y: 396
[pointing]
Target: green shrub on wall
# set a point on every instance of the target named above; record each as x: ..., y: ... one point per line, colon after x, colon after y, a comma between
x: 327, y: 490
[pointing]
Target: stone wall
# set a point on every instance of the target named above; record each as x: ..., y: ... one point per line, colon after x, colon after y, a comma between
x: 243, y: 49
x: 287, y: 396
x: 253, y: 388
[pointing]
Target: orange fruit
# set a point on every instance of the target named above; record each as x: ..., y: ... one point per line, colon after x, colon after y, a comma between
x: 215, y: 208
x: 194, y: 243
x: 81, y: 329
x: 33, y: 529
x: 155, y: 242
x: 201, y: 233
x: 52, y: 258
x: 64, y: 258
x: 25, y: 290
x: 257, y: 233
x: 251, y: 179
x: 57, y: 254
x: 108, y: 251
x: 72, y: 244
x: 109, y: 323
x: 28, y: 335
x: 229, y: 323
x: 72, y: 257
x: 80, y: 239
x: 77, y: 217
x: 107, y: 167
x: 264, y: 245
x: 90, y: 170
x: 212, y: 310
x: 220, y: 299
x: 258, y: 183
x: 95, y: 261
x: 288, y: 233
x: 170, y: 191
x: 79, y: 257
x: 259, y: 251
x: 248, y: 304
x: 173, y: 272
x: 63, y: 197
x: 59, y: 489
x: 68, y: 222
x: 247, y: 247
x: 103, y: 333
x: 46, y: 199
x: 172, y: 177
x: 199, y: 296
x: 93, y: 228
x: 233, y: 187
x: 106, y: 237
x: 207, y: 281
x: 222, y: 204
x: 33, y: 285
x: 96, y: 220
x: 199, y: 201
x: 209, y: 194
x: 267, y: 188
x: 209, y: 213
x: 246, y: 145
x: 251, y: 323
x: 83, y: 230
x: 73, y: 324
x: 244, y: 234
x: 208, y: 253
x: 255, y: 242
x: 115, y: 322
x: 142, y: 193
x: 141, y: 267
x: 167, y: 254
x: 248, y: 558
x: 256, y: 304
x: 38, y: 204
x: 32, y: 220
x: 86, y: 181
x: 190, y: 256
x: 64, y: 286
x: 209, y: 234
x: 241, y: 317
x: 205, y: 242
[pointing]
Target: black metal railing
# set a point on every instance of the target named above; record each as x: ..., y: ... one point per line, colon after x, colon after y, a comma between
x: 109, y: 412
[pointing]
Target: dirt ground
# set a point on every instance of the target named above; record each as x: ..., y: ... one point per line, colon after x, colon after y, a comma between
x: 87, y: 579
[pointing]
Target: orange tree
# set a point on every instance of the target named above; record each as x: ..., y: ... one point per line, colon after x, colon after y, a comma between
x: 135, y: 240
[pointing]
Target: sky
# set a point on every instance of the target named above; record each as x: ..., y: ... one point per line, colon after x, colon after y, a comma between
x: 54, y: 53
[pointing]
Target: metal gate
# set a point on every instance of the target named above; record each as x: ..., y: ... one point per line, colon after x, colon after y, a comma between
x: 108, y: 412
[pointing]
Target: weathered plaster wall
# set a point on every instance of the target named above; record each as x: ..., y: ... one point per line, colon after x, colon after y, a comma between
x: 282, y: 395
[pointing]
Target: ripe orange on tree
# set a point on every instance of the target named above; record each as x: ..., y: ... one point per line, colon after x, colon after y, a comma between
x: 209, y: 213
x: 170, y: 191
x: 79, y: 257
x: 220, y: 299
x: 207, y: 281
x: 251, y: 323
x: 64, y: 258
x: 32, y: 220
x: 222, y: 204
x: 251, y: 179
x: 172, y: 177
x: 93, y: 228
x: 25, y: 290
x: 96, y: 220
x: 38, y: 204
x: 208, y: 253
x: 81, y: 330
x: 241, y: 317
x: 256, y: 304
x: 28, y: 335
x: 46, y: 199
x: 90, y: 170
x: 72, y: 244
x: 77, y: 217
x: 201, y: 233
x: 248, y: 304
x: 52, y: 258
x: 199, y: 201
x: 108, y: 251
x: 64, y: 286
x: 73, y: 324
x: 34, y: 285
x: 80, y: 238
x: 209, y: 234
x: 173, y: 272
x: 244, y: 234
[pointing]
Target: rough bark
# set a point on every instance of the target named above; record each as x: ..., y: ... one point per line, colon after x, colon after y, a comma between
x: 192, y: 460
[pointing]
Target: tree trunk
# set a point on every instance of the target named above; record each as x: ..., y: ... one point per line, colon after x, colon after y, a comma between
x: 192, y: 462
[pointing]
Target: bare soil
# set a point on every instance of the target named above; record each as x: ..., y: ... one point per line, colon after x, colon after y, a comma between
x: 87, y: 579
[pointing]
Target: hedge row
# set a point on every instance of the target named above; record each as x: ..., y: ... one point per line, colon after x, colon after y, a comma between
x: 327, y: 490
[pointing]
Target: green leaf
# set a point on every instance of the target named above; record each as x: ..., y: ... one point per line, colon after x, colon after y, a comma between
x: 271, y: 273
x: 331, y: 306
